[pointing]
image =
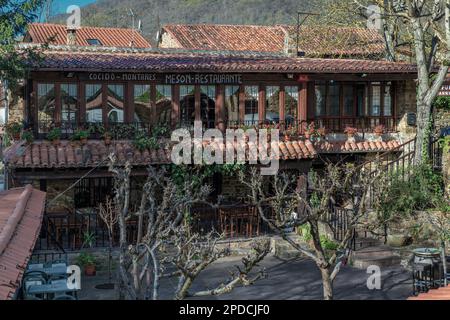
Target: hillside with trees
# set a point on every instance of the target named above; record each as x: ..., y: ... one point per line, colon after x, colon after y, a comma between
x: 154, y: 13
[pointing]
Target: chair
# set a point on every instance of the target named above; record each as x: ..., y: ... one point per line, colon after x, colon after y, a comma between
x: 33, y: 278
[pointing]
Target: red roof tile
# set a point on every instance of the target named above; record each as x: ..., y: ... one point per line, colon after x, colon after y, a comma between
x: 42, y: 154
x: 355, y: 147
x: 172, y: 61
x: 317, y: 41
x: 21, y: 212
x: 109, y: 37
x: 439, y: 294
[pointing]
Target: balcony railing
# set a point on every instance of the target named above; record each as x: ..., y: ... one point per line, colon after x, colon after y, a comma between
x: 127, y: 131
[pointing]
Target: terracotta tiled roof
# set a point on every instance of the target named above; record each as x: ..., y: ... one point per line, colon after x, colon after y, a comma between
x: 21, y: 212
x: 355, y: 147
x: 227, y: 37
x: 42, y: 154
x: 439, y: 294
x: 320, y: 41
x: 111, y: 37
x: 170, y: 61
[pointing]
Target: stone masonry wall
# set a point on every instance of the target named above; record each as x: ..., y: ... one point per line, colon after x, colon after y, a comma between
x: 16, y: 105
x: 406, y: 102
x: 167, y: 41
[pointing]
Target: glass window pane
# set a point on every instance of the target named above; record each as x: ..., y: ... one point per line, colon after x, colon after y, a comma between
x: 115, y: 103
x: 69, y: 102
x: 94, y: 102
x: 251, y: 105
x: 349, y: 100
x: 273, y: 104
x: 164, y: 104
x: 46, y: 106
x: 142, y: 106
x: 361, y: 99
x: 387, y: 100
x: 333, y: 99
x: 232, y: 103
x: 208, y: 105
x: 291, y: 105
x: 320, y: 109
x: 375, y: 101
x: 187, y: 105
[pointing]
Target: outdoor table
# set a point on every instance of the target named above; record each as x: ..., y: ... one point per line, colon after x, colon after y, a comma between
x: 59, y: 269
x: 48, y: 289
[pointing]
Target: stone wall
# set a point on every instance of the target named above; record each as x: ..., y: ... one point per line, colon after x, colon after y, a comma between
x: 56, y: 187
x: 406, y: 102
x: 16, y: 104
x: 167, y: 41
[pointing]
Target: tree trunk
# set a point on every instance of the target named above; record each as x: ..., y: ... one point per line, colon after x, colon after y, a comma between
x: 327, y: 284
x: 423, y: 132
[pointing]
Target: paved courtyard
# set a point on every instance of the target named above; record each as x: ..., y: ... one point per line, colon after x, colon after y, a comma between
x: 297, y: 279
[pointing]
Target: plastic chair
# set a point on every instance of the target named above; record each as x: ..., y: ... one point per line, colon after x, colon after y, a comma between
x: 33, y: 278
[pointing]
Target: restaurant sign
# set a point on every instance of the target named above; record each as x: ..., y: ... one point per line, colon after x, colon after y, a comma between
x: 202, y: 78
x: 178, y: 78
x: 445, y: 90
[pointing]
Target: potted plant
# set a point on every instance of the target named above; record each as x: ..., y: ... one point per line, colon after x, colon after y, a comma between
x: 28, y: 137
x: 14, y: 129
x: 107, y: 137
x: 81, y: 135
x: 310, y: 130
x: 54, y: 136
x: 322, y: 132
x: 350, y: 132
x: 378, y: 130
x: 87, y: 261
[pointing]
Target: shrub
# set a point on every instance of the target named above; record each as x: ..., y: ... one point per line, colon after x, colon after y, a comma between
x: 442, y: 103
x: 54, y: 134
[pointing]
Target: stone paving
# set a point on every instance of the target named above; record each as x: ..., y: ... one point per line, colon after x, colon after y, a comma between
x: 297, y: 279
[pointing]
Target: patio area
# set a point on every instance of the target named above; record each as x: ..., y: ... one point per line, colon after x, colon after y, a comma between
x: 297, y: 279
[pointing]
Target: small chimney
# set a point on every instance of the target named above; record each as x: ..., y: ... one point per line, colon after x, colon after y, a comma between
x: 71, y: 36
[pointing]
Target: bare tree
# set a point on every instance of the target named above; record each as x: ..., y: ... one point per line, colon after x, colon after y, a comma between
x: 109, y: 216
x: 164, y: 236
x: 287, y: 207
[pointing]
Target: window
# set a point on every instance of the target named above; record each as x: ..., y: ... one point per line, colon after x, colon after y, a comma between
x: 387, y: 96
x: 187, y: 105
x: 273, y: 104
x: 375, y: 100
x: 142, y: 109
x: 94, y: 103
x: 291, y: 105
x: 208, y: 105
x: 333, y: 99
x: 69, y: 103
x: 46, y: 106
x: 115, y: 103
x: 164, y: 104
x: 321, y: 91
x: 94, y: 42
x: 361, y: 100
x: 251, y: 104
x: 349, y: 100
x: 232, y: 103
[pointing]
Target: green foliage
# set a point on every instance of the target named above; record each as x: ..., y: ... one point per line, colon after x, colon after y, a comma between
x: 423, y: 190
x: 305, y: 232
x: 328, y: 244
x: 89, y: 239
x: 143, y: 142
x: 14, y: 17
x: 13, y: 128
x: 28, y: 136
x: 54, y: 134
x: 80, y: 135
x: 442, y: 103
x: 445, y: 144
x: 86, y: 259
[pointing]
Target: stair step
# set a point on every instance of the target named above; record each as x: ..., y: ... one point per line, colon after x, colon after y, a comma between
x: 380, y: 262
x: 362, y: 243
x: 381, y: 256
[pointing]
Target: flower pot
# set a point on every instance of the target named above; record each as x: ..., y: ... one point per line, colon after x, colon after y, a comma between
x: 90, y: 270
x: 287, y: 138
x: 307, y: 135
x: 83, y: 141
x: 16, y: 136
x: 107, y: 141
x: 56, y: 142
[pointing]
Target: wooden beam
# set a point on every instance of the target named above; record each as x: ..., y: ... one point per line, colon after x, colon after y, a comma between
x: 262, y: 103
x: 175, y: 105
x: 220, y: 108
